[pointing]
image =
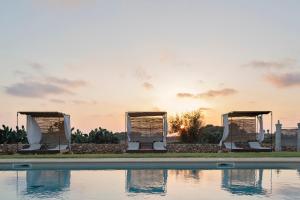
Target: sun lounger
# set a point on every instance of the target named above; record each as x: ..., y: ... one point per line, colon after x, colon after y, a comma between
x: 133, y: 146
x: 60, y: 148
x: 159, y: 146
x: 32, y: 148
x: 232, y: 147
x: 256, y: 146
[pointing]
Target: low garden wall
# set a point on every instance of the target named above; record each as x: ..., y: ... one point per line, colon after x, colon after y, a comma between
x: 121, y: 148
x: 10, y: 148
x: 193, y: 148
x: 98, y: 148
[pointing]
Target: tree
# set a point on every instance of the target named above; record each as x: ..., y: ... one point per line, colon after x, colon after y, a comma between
x: 10, y: 136
x: 79, y: 137
x: 211, y: 134
x: 100, y: 136
x: 188, y: 125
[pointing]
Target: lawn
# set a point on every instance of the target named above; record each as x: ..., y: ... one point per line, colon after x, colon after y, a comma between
x: 161, y: 155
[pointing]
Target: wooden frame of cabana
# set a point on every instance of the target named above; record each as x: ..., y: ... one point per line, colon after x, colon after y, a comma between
x: 146, y: 131
x: 47, y: 132
x: 240, y: 120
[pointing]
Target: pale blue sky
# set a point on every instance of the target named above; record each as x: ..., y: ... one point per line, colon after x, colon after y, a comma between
x: 97, y: 59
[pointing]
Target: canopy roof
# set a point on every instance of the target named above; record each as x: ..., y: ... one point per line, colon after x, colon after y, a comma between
x: 247, y: 113
x: 43, y: 114
x: 145, y: 114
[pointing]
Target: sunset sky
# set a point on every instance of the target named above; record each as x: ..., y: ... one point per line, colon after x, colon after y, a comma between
x: 95, y: 60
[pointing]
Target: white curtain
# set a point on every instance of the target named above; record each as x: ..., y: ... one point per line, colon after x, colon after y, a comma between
x: 226, y: 129
x: 34, y: 134
x: 261, y: 133
x: 128, y: 128
x: 67, y: 126
x: 165, y: 125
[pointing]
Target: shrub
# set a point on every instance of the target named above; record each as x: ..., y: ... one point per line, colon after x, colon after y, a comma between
x: 10, y: 136
x: 188, y: 125
x: 79, y: 137
x: 100, y: 136
x: 211, y: 134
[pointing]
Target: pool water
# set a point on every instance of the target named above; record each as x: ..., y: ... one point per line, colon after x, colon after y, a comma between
x: 150, y: 184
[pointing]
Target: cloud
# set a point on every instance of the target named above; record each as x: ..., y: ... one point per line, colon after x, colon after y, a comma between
x: 142, y: 74
x: 36, y: 66
x: 148, y: 86
x: 57, y: 101
x: 205, y: 109
x: 66, y: 82
x: 208, y: 94
x: 215, y: 93
x: 19, y: 73
x: 186, y: 95
x: 263, y: 64
x: 45, y: 86
x: 65, y: 4
x: 35, y: 89
x: 284, y: 80
x: 156, y: 109
x: 80, y: 102
x: 170, y: 58
x: 200, y: 82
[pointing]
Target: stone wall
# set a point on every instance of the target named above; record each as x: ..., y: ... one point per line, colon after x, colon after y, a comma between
x: 121, y: 148
x: 193, y: 148
x: 98, y: 148
x: 10, y: 148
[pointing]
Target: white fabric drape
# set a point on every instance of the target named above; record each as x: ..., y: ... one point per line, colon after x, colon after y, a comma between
x: 165, y: 125
x: 67, y: 126
x: 226, y: 129
x: 128, y: 128
x: 261, y: 133
x: 34, y: 134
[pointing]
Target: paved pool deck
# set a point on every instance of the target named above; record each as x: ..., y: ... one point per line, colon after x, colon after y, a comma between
x: 148, y: 163
x: 146, y: 160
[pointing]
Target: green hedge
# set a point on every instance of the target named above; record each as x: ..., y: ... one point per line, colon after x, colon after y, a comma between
x: 99, y: 136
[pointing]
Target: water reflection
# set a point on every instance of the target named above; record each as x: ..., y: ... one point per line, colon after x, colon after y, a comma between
x: 194, y: 174
x: 243, y: 182
x: 146, y: 181
x: 157, y: 184
x: 47, y: 182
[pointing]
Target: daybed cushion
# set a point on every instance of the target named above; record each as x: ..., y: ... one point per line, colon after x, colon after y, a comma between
x: 229, y: 145
x: 158, y: 146
x: 33, y: 147
x: 256, y: 145
x: 133, y: 146
x: 59, y: 147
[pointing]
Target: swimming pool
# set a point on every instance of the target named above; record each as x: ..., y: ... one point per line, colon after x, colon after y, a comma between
x: 150, y: 184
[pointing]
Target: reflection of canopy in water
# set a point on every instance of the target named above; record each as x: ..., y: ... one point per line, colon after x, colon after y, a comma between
x: 243, y: 182
x: 146, y: 181
x: 194, y: 174
x: 47, y: 181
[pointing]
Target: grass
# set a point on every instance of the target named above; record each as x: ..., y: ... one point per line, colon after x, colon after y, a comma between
x: 160, y: 155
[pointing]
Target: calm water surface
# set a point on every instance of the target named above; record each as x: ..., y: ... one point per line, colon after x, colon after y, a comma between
x: 150, y: 184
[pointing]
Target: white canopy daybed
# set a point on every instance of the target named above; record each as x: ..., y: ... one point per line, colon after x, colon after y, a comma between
x: 146, y: 131
x: 47, y: 131
x: 244, y: 126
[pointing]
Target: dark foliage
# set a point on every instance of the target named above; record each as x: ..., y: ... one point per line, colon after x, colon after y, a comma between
x: 210, y: 134
x: 10, y: 136
x: 98, y: 136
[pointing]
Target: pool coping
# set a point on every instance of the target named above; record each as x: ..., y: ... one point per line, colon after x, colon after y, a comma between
x: 148, y: 163
x: 146, y: 160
